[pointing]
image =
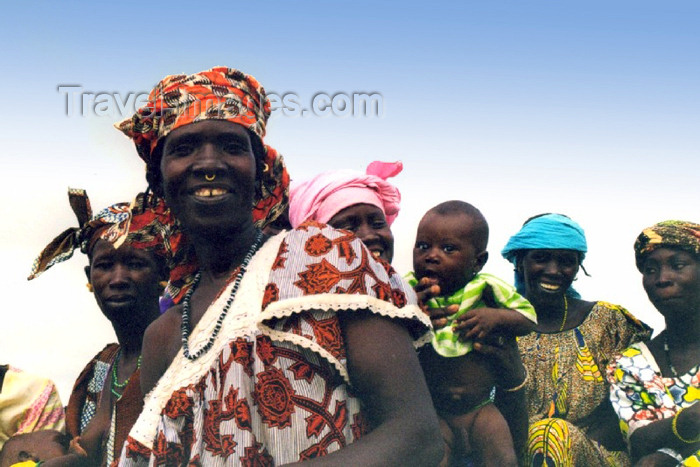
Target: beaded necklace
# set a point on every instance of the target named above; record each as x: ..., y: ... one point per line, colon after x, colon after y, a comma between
x: 185, y: 325
x: 115, y: 381
x: 668, y: 357
x: 566, y: 314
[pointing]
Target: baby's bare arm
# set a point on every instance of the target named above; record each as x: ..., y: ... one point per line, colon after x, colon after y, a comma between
x: 483, y: 323
x: 514, y: 323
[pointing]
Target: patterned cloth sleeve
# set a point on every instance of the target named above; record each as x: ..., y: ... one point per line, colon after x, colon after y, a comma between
x: 336, y: 272
x: 87, y: 389
x: 28, y: 403
x: 639, y: 393
x: 274, y: 388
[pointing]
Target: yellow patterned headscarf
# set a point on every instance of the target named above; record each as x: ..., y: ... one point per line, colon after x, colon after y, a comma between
x: 667, y: 234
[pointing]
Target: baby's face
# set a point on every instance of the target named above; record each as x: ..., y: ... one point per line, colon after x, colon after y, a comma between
x: 444, y: 251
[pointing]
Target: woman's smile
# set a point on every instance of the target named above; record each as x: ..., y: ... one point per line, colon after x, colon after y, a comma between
x: 209, y: 175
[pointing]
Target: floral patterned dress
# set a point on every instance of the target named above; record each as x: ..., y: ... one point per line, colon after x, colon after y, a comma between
x: 641, y: 395
x: 274, y: 388
x: 566, y: 385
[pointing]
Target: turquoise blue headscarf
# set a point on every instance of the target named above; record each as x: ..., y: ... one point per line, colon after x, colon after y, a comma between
x: 550, y: 231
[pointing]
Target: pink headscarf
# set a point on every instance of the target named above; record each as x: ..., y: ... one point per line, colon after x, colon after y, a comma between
x: 326, y: 194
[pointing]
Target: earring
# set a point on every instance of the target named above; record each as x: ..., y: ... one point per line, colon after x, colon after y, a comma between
x: 265, y: 167
x: 89, y: 287
x: 209, y: 178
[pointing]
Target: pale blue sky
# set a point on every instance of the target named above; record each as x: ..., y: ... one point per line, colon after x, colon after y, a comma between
x: 591, y: 109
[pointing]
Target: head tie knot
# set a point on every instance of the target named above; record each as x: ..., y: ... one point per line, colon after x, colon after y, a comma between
x: 322, y: 197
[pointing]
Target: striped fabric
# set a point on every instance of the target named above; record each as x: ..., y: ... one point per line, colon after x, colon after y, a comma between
x: 28, y: 403
x: 445, y: 341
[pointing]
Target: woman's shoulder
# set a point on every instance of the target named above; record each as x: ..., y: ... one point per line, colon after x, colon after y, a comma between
x: 635, y: 361
x: 618, y: 313
x: 319, y: 248
x: 322, y: 268
x: 619, y: 322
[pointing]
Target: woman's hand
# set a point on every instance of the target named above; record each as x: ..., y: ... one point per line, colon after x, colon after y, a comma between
x: 510, y: 371
x: 656, y: 459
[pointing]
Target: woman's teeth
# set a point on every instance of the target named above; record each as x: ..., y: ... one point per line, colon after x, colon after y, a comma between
x: 209, y: 192
x: 549, y: 286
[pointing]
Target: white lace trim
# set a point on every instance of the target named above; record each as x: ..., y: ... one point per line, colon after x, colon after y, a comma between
x: 240, y: 321
x: 245, y: 319
x: 336, y: 302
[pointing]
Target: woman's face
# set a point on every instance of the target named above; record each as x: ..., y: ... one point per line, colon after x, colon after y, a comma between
x: 547, y: 274
x: 369, y: 224
x: 671, y: 279
x: 208, y: 173
x: 125, y: 281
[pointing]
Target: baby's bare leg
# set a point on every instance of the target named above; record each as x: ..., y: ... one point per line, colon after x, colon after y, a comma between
x: 490, y: 440
x: 449, y: 439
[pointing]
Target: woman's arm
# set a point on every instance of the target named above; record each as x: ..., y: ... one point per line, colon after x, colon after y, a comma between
x: 602, y: 425
x: 659, y: 434
x: 386, y: 376
x: 511, y: 397
x: 86, y: 450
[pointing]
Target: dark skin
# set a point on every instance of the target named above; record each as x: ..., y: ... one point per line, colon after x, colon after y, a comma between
x: 126, y: 286
x: 671, y: 278
x: 547, y: 274
x: 43, y: 444
x: 448, y: 253
x: 382, y: 363
x: 369, y: 224
x: 504, y: 359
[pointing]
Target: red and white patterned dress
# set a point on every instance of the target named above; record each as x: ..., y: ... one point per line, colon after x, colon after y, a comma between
x: 274, y: 388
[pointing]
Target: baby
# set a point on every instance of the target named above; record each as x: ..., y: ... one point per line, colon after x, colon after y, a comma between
x: 449, y: 252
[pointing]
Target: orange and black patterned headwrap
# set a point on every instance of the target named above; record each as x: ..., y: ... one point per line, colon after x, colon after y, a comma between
x: 118, y: 223
x: 217, y: 94
x: 667, y: 234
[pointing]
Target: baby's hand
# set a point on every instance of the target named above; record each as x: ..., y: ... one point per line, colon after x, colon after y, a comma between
x: 479, y: 324
x: 426, y: 289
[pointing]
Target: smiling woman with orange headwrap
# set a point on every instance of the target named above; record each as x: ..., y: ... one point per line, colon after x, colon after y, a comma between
x: 279, y: 349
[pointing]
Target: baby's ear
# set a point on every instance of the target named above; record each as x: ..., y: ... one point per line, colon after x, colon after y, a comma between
x: 481, y: 259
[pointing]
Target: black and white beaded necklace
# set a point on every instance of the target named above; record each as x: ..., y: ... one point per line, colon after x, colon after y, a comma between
x: 185, y: 325
x: 668, y: 356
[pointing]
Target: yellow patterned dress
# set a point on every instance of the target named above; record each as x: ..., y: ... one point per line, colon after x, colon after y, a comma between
x: 567, y: 386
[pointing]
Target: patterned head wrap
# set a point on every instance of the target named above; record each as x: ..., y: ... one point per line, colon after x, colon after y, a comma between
x: 217, y: 94
x: 328, y: 193
x: 667, y: 234
x: 550, y: 231
x: 114, y: 224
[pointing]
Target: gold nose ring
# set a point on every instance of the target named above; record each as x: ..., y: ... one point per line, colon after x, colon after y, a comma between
x: 209, y: 178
